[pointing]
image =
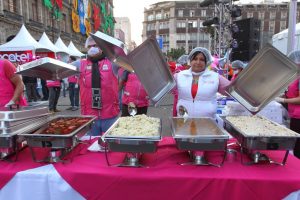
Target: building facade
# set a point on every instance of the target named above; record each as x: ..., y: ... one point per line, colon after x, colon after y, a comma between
x: 179, y: 23
x: 39, y: 17
x: 123, y: 23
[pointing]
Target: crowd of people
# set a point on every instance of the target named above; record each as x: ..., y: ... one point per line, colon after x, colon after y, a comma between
x: 96, y: 90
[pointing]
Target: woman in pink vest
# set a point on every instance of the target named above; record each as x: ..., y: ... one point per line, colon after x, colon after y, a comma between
x: 11, y: 85
x: 292, y: 98
x: 134, y: 94
x: 98, y: 88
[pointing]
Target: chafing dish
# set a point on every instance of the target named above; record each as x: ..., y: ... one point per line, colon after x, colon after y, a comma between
x: 59, y: 140
x: 251, y: 143
x: 147, y: 61
x: 266, y: 76
x: 134, y: 146
x: 48, y: 69
x: 199, y: 134
x: 14, y: 122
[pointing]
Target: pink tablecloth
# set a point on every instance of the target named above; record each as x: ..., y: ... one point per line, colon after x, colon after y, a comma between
x: 165, y: 179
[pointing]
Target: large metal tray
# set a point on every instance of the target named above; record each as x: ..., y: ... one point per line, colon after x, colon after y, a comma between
x: 23, y: 113
x: 266, y: 76
x: 113, y: 49
x: 260, y: 142
x: 56, y: 141
x: 147, y: 61
x: 198, y: 134
x: 131, y: 144
x: 48, y: 69
x: 152, y: 69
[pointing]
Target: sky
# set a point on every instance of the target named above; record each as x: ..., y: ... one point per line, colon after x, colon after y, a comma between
x: 134, y: 10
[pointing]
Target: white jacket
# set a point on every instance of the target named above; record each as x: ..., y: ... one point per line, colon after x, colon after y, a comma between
x: 205, y: 102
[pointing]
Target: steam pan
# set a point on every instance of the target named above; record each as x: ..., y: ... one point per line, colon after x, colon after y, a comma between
x: 266, y: 76
x: 198, y: 134
x: 23, y: 113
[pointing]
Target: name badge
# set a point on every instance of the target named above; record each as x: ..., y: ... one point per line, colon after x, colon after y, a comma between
x: 104, y: 67
x: 89, y: 67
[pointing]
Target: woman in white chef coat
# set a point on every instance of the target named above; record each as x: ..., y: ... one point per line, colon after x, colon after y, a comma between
x: 197, y: 87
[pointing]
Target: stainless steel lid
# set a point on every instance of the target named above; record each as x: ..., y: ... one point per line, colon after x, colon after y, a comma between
x: 266, y: 76
x: 22, y: 113
x: 48, y: 69
x: 147, y: 61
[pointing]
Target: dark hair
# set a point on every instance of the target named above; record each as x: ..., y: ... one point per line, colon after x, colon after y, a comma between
x: 73, y: 58
x: 196, y: 53
x: 9, y: 38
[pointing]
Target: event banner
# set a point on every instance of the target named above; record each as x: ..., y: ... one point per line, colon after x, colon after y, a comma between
x: 17, y: 56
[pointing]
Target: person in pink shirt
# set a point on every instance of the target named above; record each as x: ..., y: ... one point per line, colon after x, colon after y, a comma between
x: 11, y: 85
x: 292, y: 98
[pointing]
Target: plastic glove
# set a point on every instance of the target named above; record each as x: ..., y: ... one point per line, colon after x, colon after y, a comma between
x: 279, y: 99
x: 10, y: 103
x: 76, y: 85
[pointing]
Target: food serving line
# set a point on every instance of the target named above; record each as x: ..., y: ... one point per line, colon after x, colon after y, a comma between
x: 249, y: 166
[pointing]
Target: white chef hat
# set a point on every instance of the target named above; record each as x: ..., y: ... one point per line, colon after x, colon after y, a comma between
x: 237, y: 64
x: 204, y: 51
x: 89, y: 42
x: 295, y: 56
x: 184, y: 59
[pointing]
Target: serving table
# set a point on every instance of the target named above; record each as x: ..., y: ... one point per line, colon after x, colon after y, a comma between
x: 89, y: 177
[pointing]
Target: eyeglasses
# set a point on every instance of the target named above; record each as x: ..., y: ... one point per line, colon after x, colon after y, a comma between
x: 93, y: 45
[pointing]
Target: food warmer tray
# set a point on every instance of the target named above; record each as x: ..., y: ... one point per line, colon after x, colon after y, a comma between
x: 13, y: 117
x: 198, y: 134
x: 57, y: 141
x: 266, y: 76
x: 147, y: 61
x: 131, y: 144
x: 260, y: 142
x: 48, y: 69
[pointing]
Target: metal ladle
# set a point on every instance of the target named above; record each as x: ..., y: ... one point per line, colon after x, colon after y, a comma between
x: 132, y: 110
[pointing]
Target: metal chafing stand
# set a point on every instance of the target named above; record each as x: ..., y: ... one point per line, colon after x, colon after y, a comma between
x: 14, y: 122
x: 134, y: 147
x: 265, y: 78
x: 199, y: 134
x: 252, y: 145
x: 59, y: 144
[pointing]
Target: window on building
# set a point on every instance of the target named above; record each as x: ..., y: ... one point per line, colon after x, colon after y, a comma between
x: 180, y: 24
x: 271, y: 26
x: 261, y: 15
x: 203, y: 13
x: 193, y: 36
x: 192, y: 46
x: 34, y: 10
x: 166, y: 48
x: 158, y: 16
x: 192, y: 24
x: 12, y: 5
x: 180, y: 45
x: 150, y: 17
x: 63, y: 23
x: 192, y: 13
x: 181, y: 36
x: 49, y: 19
x: 262, y: 25
x: 249, y: 14
x: 283, y: 14
x: 167, y: 15
x: 272, y: 15
x: 165, y: 37
x: 163, y: 25
x: 180, y: 13
x: 282, y: 25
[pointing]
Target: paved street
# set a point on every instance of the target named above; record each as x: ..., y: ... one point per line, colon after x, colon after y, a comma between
x: 163, y: 111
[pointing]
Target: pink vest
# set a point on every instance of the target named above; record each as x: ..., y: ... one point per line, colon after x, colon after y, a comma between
x: 72, y: 79
x: 7, y: 89
x: 53, y: 83
x: 109, y: 90
x: 134, y: 92
x: 293, y: 91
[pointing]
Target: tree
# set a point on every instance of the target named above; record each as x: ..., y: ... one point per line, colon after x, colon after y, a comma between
x: 175, y: 53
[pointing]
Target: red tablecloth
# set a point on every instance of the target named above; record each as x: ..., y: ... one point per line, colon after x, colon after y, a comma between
x: 165, y: 179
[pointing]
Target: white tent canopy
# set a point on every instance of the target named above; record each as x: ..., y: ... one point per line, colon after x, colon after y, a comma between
x: 74, y: 50
x: 23, y: 41
x: 61, y: 45
x: 280, y: 40
x: 44, y: 40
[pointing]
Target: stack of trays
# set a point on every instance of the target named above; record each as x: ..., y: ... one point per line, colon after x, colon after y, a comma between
x: 14, y: 122
x: 198, y: 134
